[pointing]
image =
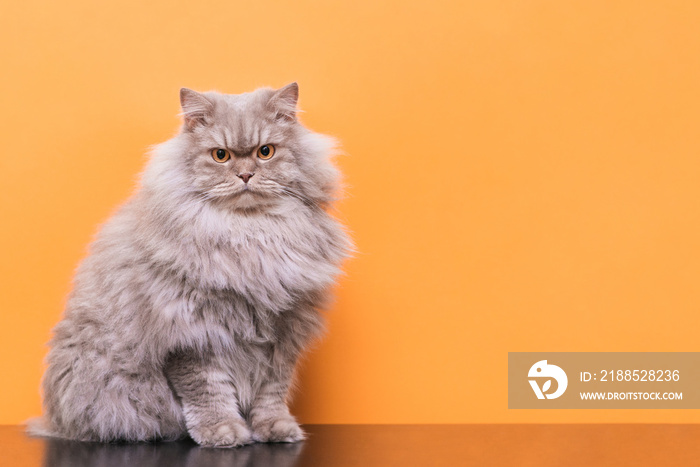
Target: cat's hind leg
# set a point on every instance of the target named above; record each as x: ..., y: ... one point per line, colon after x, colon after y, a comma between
x: 92, y: 397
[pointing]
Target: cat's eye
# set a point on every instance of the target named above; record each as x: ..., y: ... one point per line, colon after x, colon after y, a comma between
x: 220, y: 155
x: 265, y: 152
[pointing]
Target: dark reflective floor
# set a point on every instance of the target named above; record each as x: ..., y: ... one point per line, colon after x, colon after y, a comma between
x: 387, y: 445
x: 71, y: 454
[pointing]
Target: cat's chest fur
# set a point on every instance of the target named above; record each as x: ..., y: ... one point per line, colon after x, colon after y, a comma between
x: 271, y: 259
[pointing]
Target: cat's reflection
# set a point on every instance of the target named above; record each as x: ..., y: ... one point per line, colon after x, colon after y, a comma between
x: 63, y: 453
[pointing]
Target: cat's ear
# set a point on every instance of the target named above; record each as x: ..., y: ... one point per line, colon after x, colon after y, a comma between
x: 196, y: 108
x: 284, y: 102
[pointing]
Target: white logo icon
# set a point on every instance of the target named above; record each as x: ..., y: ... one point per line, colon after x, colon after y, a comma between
x: 542, y: 370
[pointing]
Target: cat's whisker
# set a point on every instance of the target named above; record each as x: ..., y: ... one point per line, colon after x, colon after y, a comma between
x: 308, y: 201
x: 282, y: 190
x: 203, y: 196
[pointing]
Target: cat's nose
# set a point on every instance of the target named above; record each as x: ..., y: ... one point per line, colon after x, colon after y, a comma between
x: 246, y: 176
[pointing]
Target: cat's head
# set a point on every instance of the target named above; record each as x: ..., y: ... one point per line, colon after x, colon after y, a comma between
x: 247, y: 151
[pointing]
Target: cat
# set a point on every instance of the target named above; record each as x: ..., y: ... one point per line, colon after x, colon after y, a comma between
x: 199, y: 295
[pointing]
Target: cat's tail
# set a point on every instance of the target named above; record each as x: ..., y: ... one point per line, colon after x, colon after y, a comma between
x: 39, y: 426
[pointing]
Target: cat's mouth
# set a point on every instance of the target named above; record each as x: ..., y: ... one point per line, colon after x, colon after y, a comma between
x: 238, y: 190
x: 246, y: 191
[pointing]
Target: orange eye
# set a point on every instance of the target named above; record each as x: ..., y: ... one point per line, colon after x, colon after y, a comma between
x: 265, y: 152
x: 220, y: 155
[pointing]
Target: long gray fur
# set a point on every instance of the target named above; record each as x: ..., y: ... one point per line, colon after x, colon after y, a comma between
x: 200, y: 293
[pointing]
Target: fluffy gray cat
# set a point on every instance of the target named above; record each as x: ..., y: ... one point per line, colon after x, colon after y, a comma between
x: 200, y: 293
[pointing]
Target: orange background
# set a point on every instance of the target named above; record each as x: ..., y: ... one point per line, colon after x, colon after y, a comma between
x: 523, y: 176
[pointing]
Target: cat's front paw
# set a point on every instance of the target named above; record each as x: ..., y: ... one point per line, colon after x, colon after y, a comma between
x: 225, y: 434
x: 278, y: 430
